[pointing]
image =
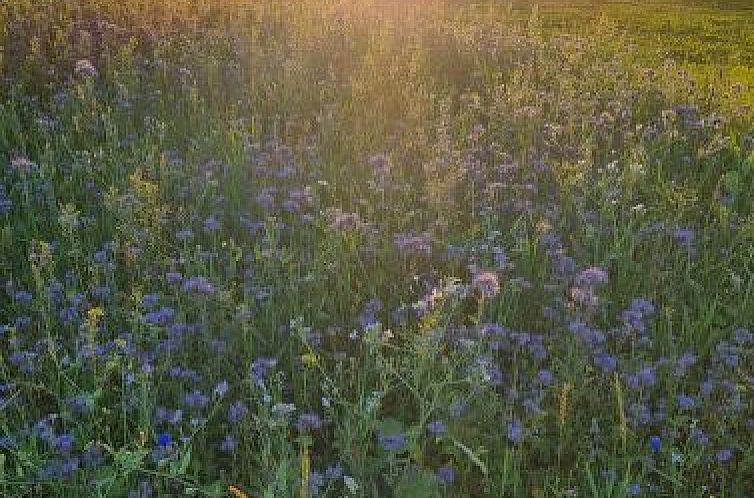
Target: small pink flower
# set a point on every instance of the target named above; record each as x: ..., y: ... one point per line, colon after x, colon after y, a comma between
x: 85, y: 69
x: 486, y: 283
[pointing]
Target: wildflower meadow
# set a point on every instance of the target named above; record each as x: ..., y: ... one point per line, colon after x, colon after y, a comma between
x: 376, y: 248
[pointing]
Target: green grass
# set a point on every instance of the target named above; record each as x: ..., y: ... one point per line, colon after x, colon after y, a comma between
x: 430, y: 249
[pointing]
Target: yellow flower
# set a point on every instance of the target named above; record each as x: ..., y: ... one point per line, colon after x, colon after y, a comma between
x: 309, y: 360
x: 237, y: 492
x: 93, y: 317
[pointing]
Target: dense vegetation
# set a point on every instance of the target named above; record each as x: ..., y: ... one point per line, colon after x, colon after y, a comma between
x: 376, y: 248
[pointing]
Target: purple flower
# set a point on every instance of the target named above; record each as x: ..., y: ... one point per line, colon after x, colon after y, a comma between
x: 744, y: 337
x: 316, y: 481
x: 412, y: 244
x: 605, y: 362
x: 164, y: 439
x: 368, y: 317
x: 684, y: 363
x: 648, y: 376
x: 211, y: 224
x: 221, y: 389
x: 446, y: 474
x: 699, y: 436
x: 149, y: 301
x: 5, y: 203
x: 486, y: 284
x: 228, y: 444
x: 260, y: 369
x: 266, y: 200
x: 334, y: 472
x: 346, y: 222
x: 437, y: 428
x: 545, y: 377
x: 308, y: 422
x: 59, y: 469
x: 685, y: 237
x: 592, y: 276
x: 163, y: 316
x: 686, y: 402
x: 634, y: 489
x: 144, y: 490
x: 380, y: 164
x: 64, y: 444
x: 196, y: 399
x: 92, y: 457
x: 80, y: 404
x: 392, y: 442
x: 8, y: 443
x: 515, y: 431
x: 23, y: 297
x: 199, y: 285
x: 563, y: 264
x: 635, y: 316
x: 84, y: 69
x: 724, y: 455
x: 237, y: 411
x: 728, y: 353
x: 173, y: 277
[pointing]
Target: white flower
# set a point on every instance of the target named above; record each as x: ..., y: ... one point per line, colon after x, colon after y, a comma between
x: 351, y: 484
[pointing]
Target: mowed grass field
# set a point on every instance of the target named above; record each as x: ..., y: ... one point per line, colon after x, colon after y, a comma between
x: 376, y: 248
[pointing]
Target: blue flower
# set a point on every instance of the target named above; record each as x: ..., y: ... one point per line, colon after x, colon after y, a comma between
x: 316, y: 481
x: 368, y: 317
x: 260, y: 369
x: 164, y: 439
x: 80, y: 404
x: 685, y: 237
x: 5, y: 203
x: 64, y: 444
x: 173, y: 277
x: 334, y: 472
x: 221, y: 388
x: 592, y: 276
x: 699, y: 436
x: 58, y: 469
x: 229, y: 444
x: 308, y: 421
x: 634, y: 489
x: 437, y: 428
x: 392, y: 442
x: 446, y: 474
x: 199, y: 285
x: 545, y: 377
x: 163, y: 316
x: 237, y: 412
x: 515, y: 431
x: 655, y: 443
x: 92, y: 457
x: 686, y: 402
x: 744, y: 337
x: 149, y: 301
x: 605, y: 362
x: 144, y: 490
x: 211, y: 224
x: 724, y: 455
x: 196, y: 399
x: 23, y: 297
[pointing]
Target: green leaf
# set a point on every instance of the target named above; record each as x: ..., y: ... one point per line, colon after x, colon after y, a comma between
x: 472, y: 455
